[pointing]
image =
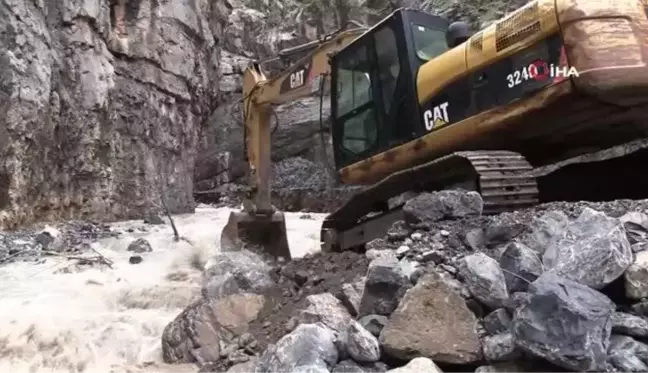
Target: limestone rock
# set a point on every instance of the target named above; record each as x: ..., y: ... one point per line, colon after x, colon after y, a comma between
x: 361, y: 344
x: 636, y: 277
x: 384, y: 287
x: 520, y: 265
x: 447, y: 204
x: 634, y: 326
x: 432, y: 321
x: 484, y: 279
x: 327, y: 309
x: 565, y: 323
x: 195, y: 334
x: 594, y: 250
x: 628, y: 354
x: 234, y: 272
x: 310, y: 347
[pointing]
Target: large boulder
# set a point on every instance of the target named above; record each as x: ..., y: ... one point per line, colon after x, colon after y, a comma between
x: 234, y: 272
x: 310, y: 347
x: 594, y: 250
x: 433, y: 321
x: 196, y: 334
x: 325, y: 308
x: 565, y: 323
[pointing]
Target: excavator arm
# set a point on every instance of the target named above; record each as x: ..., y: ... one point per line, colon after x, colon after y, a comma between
x: 258, y: 224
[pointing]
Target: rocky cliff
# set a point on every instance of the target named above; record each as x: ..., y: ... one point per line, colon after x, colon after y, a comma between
x: 110, y: 105
x: 102, y: 104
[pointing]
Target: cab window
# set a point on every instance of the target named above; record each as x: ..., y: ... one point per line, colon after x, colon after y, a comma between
x: 353, y: 86
x: 429, y: 43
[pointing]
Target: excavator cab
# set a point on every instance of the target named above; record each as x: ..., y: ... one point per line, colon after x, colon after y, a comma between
x: 373, y: 79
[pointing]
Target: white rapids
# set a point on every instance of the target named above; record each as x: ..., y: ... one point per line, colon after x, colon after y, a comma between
x: 111, y: 320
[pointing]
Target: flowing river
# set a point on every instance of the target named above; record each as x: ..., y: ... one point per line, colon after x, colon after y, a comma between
x: 56, y: 317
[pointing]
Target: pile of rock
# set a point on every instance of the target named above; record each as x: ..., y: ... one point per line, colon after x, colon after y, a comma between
x: 446, y: 289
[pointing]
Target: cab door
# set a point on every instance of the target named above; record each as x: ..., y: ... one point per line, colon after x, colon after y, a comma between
x: 356, y: 125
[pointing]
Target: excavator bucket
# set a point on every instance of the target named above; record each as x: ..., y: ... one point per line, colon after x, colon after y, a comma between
x: 264, y: 233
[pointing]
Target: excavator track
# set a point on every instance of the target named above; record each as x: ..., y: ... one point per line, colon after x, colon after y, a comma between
x: 501, y: 177
x: 504, y: 183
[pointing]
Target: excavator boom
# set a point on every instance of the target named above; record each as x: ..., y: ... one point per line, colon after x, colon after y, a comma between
x: 259, y: 226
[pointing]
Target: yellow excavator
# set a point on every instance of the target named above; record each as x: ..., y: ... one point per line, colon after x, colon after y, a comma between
x: 419, y: 103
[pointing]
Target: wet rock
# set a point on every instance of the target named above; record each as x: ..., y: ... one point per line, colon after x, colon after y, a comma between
x: 565, y: 323
x: 235, y: 272
x: 350, y: 366
x: 484, y: 279
x: 362, y: 346
x: 546, y: 229
x: 497, y: 321
x: 432, y: 321
x: 520, y: 265
x: 593, y: 251
x: 135, y: 259
x: 447, y: 204
x: 624, y: 323
x: 374, y: 323
x: 154, y: 220
x: 326, y: 309
x: 310, y: 347
x: 195, y: 334
x: 384, y: 287
x: 500, y: 347
x: 627, y: 354
x: 636, y: 277
x: 139, y: 246
x: 418, y: 365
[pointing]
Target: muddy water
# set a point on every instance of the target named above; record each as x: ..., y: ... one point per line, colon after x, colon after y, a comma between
x: 56, y: 317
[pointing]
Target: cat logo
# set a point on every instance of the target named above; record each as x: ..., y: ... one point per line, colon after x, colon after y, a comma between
x: 437, y: 117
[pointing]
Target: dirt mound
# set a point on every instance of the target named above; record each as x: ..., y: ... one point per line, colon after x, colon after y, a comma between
x: 313, y: 274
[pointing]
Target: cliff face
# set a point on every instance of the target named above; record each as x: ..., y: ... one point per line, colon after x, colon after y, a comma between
x: 101, y: 105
